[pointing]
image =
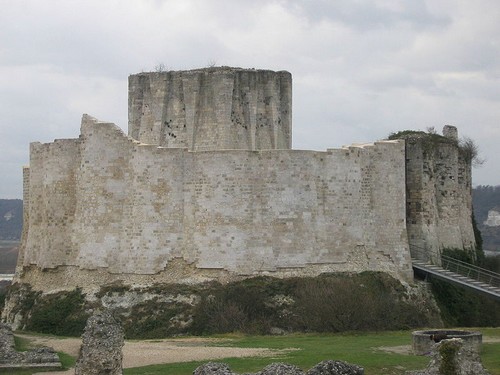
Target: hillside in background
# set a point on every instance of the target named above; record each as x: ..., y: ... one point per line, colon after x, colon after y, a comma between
x: 11, y: 219
x: 486, y: 201
x: 11, y: 226
x: 8, y: 256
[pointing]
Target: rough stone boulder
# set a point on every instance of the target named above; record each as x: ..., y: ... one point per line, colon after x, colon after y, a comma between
x: 323, y: 368
x: 102, y: 343
x: 331, y: 367
x: 213, y: 368
x: 281, y: 369
x: 451, y: 357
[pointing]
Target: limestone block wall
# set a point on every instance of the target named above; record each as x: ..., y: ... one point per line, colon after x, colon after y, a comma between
x: 107, y: 202
x: 132, y: 217
x: 438, y: 195
x: 26, y: 207
x: 49, y: 202
x: 213, y: 108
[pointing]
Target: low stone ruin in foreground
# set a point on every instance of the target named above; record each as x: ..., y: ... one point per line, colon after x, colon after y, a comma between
x: 43, y: 357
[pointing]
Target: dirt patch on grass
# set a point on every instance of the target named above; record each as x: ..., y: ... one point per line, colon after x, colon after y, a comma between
x: 490, y: 340
x: 401, y: 349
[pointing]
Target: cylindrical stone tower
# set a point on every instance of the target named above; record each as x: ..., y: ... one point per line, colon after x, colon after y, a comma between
x: 212, y: 109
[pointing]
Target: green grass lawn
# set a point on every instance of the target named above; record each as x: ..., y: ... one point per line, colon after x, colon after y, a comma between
x: 358, y: 348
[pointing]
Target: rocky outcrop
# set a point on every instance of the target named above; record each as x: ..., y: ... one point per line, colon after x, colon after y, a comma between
x: 451, y: 357
x: 102, y: 343
x: 329, y: 367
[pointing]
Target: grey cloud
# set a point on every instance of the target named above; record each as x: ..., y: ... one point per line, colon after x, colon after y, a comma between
x: 361, y: 69
x: 370, y: 15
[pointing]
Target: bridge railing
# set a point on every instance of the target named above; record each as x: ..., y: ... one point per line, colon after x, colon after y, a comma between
x: 458, y: 266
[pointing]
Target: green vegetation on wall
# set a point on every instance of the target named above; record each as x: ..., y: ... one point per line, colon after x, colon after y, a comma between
x: 263, y: 305
x: 2, y: 300
x: 430, y: 140
x: 468, y: 149
x: 328, y: 303
x: 448, y: 351
x: 62, y: 313
x: 461, y: 307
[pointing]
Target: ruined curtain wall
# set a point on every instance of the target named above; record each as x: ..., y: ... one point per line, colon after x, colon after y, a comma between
x: 439, y: 196
x: 49, y: 203
x: 130, y: 208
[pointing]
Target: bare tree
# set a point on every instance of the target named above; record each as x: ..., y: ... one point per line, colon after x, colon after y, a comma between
x: 161, y: 67
x: 431, y: 130
x: 470, y: 151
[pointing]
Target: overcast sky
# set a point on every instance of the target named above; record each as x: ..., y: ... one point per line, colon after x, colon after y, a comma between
x: 361, y: 69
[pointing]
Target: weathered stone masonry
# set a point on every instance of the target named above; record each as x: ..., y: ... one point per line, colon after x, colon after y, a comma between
x: 439, y: 198
x: 212, y: 109
x: 206, y: 187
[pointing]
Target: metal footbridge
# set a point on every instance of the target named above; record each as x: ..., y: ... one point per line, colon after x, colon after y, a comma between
x: 456, y: 271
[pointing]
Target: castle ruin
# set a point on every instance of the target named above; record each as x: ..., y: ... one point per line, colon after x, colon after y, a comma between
x: 205, y: 186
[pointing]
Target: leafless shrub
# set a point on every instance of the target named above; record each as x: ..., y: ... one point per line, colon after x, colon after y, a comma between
x: 470, y: 151
x: 343, y: 305
x: 330, y: 303
x: 161, y: 67
x: 226, y: 316
x: 431, y: 130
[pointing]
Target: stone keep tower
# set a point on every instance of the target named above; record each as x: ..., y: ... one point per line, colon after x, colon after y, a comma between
x: 212, y: 109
